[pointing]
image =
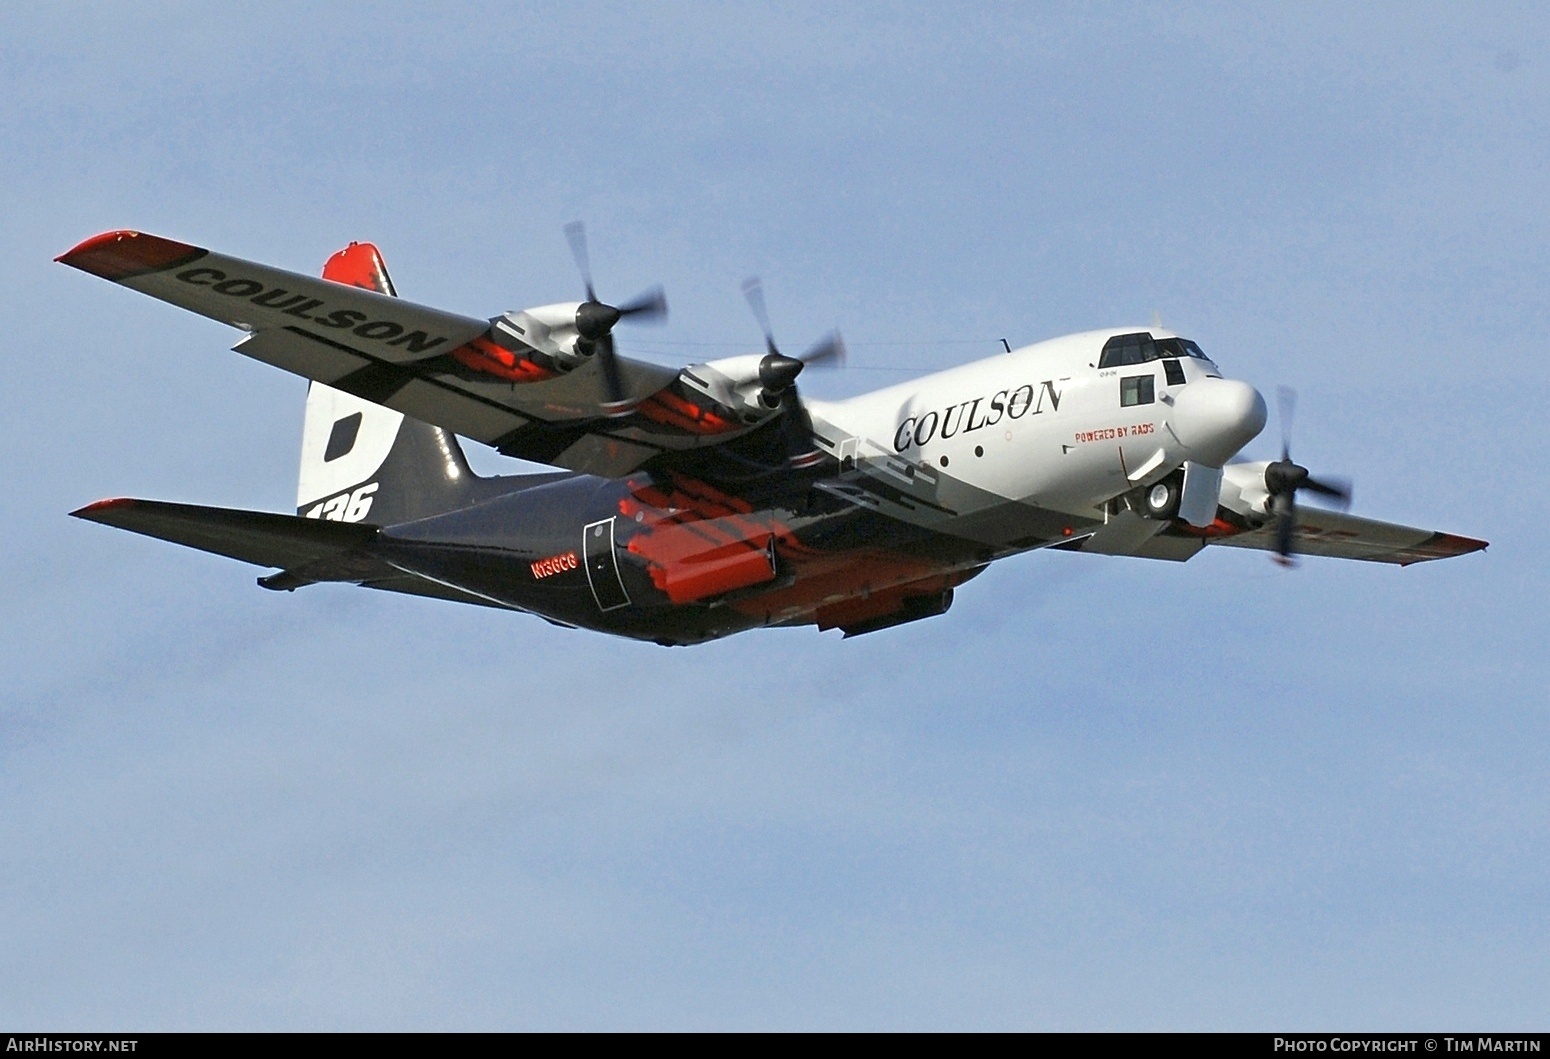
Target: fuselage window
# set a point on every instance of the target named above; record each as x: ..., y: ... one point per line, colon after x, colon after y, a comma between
x: 1174, y: 371
x: 1137, y: 389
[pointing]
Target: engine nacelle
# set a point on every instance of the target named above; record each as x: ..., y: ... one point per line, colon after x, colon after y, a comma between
x: 1244, y: 491
x: 732, y: 382
x: 547, y: 329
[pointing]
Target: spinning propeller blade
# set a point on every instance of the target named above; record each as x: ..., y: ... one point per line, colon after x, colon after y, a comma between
x: 753, y: 290
x: 595, y: 320
x: 1284, y: 479
x: 830, y: 347
x: 648, y: 306
x: 778, y: 374
x: 576, y: 232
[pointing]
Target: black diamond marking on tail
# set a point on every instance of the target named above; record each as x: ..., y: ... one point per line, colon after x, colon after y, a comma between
x: 342, y: 438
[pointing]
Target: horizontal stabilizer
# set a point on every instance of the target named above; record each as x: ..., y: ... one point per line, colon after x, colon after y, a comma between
x: 258, y: 537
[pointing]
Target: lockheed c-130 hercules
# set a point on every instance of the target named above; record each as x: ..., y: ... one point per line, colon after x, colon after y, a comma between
x: 692, y: 504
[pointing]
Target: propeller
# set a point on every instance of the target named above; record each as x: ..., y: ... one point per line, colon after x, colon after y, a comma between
x: 595, y: 320
x: 778, y: 373
x: 1284, y: 479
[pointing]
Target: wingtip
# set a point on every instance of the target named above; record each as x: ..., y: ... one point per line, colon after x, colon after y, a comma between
x: 96, y: 242
x: 1442, y: 546
x: 1453, y: 544
x: 120, y: 254
x: 91, y: 511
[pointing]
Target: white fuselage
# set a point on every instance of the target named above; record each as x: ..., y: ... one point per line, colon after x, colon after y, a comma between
x: 1042, y: 425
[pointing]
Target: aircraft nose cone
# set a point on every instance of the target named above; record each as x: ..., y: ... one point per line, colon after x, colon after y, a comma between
x: 1214, y: 418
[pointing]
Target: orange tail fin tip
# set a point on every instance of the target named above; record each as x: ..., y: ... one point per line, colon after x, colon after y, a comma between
x: 360, y: 265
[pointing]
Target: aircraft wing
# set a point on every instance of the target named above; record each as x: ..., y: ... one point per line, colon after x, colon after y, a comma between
x: 1342, y: 536
x: 438, y: 367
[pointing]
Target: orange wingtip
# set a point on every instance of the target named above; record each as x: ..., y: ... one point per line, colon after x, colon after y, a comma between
x: 120, y: 255
x: 1441, y: 546
x: 104, y: 505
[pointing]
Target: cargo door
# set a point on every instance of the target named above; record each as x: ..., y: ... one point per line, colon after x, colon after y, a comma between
x: 602, y: 565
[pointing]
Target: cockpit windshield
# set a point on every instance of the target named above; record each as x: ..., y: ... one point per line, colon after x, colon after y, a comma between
x: 1184, y: 345
x: 1142, y: 347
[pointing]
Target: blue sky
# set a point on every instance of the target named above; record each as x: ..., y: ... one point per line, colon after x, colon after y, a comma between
x: 1099, y: 793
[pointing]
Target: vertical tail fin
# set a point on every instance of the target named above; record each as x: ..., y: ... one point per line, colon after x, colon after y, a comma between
x: 361, y: 462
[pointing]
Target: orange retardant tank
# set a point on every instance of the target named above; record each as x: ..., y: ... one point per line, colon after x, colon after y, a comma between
x: 691, y: 556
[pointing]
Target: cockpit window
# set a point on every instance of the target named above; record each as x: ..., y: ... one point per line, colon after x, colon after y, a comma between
x: 1180, y: 347
x: 1122, y: 350
x: 1128, y: 349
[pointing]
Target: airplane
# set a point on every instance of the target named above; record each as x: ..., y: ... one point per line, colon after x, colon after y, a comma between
x: 688, y: 505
